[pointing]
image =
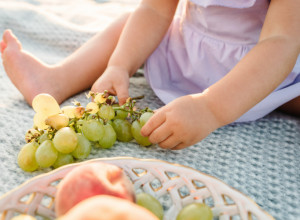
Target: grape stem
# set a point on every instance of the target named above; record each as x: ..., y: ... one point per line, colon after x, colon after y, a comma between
x: 130, y: 111
x: 138, y: 97
x: 133, y: 98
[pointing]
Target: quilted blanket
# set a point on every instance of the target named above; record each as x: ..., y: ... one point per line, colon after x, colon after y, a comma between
x: 261, y: 158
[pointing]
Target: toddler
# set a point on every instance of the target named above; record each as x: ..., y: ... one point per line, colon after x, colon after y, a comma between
x: 213, y: 62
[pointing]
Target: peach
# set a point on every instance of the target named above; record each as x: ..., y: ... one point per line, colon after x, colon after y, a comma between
x: 90, y: 180
x: 106, y: 207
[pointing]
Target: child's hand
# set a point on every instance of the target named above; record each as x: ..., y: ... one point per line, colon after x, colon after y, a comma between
x: 181, y: 123
x: 116, y: 81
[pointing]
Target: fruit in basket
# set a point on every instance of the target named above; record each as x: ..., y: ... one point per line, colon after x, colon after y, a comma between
x: 151, y: 203
x: 195, y: 211
x: 90, y: 180
x: 106, y: 207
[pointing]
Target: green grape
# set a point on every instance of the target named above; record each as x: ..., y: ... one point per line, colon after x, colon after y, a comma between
x: 110, y: 122
x: 26, y: 157
x: 23, y: 217
x: 145, y: 117
x: 65, y: 140
x: 79, y: 111
x: 39, y: 120
x: 79, y: 125
x: 93, y: 130
x: 96, y: 144
x: 195, y: 211
x: 152, y: 204
x: 43, y: 138
x: 92, y: 117
x: 100, y: 98
x: 92, y: 107
x: 109, y: 137
x: 69, y: 111
x: 63, y: 159
x: 123, y: 130
x: 120, y: 114
x: 57, y: 121
x: 106, y: 112
x: 46, y: 154
x: 136, y: 133
x: 45, y: 104
x: 83, y: 148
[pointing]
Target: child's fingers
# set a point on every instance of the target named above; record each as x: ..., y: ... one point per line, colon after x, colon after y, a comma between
x: 170, y: 142
x: 180, y: 146
x: 160, y: 134
x: 99, y: 86
x: 122, y: 93
x: 154, y: 122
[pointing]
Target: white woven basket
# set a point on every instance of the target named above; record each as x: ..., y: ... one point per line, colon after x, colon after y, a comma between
x: 173, y: 184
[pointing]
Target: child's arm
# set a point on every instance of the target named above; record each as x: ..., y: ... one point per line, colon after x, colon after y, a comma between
x: 263, y: 69
x: 177, y: 125
x: 142, y: 33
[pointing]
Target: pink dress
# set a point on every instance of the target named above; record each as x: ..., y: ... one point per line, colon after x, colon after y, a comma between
x: 205, y: 41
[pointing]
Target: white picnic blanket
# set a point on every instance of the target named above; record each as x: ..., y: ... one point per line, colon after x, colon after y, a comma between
x: 260, y: 159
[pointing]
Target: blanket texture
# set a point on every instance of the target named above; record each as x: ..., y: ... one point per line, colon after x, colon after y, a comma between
x: 260, y: 159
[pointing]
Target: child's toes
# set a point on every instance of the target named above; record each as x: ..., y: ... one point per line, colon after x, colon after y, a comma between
x: 2, y: 46
x: 10, y: 40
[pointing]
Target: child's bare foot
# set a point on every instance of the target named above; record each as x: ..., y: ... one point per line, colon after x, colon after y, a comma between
x: 29, y: 74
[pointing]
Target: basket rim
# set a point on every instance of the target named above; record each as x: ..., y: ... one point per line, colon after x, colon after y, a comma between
x: 137, y: 159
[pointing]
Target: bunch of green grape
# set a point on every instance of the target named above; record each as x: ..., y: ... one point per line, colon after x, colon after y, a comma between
x: 62, y: 135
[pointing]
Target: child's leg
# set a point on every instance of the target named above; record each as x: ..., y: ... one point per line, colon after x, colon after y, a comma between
x: 292, y: 107
x: 76, y: 73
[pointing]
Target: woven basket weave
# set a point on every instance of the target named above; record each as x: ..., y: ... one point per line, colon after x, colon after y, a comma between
x: 174, y: 185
